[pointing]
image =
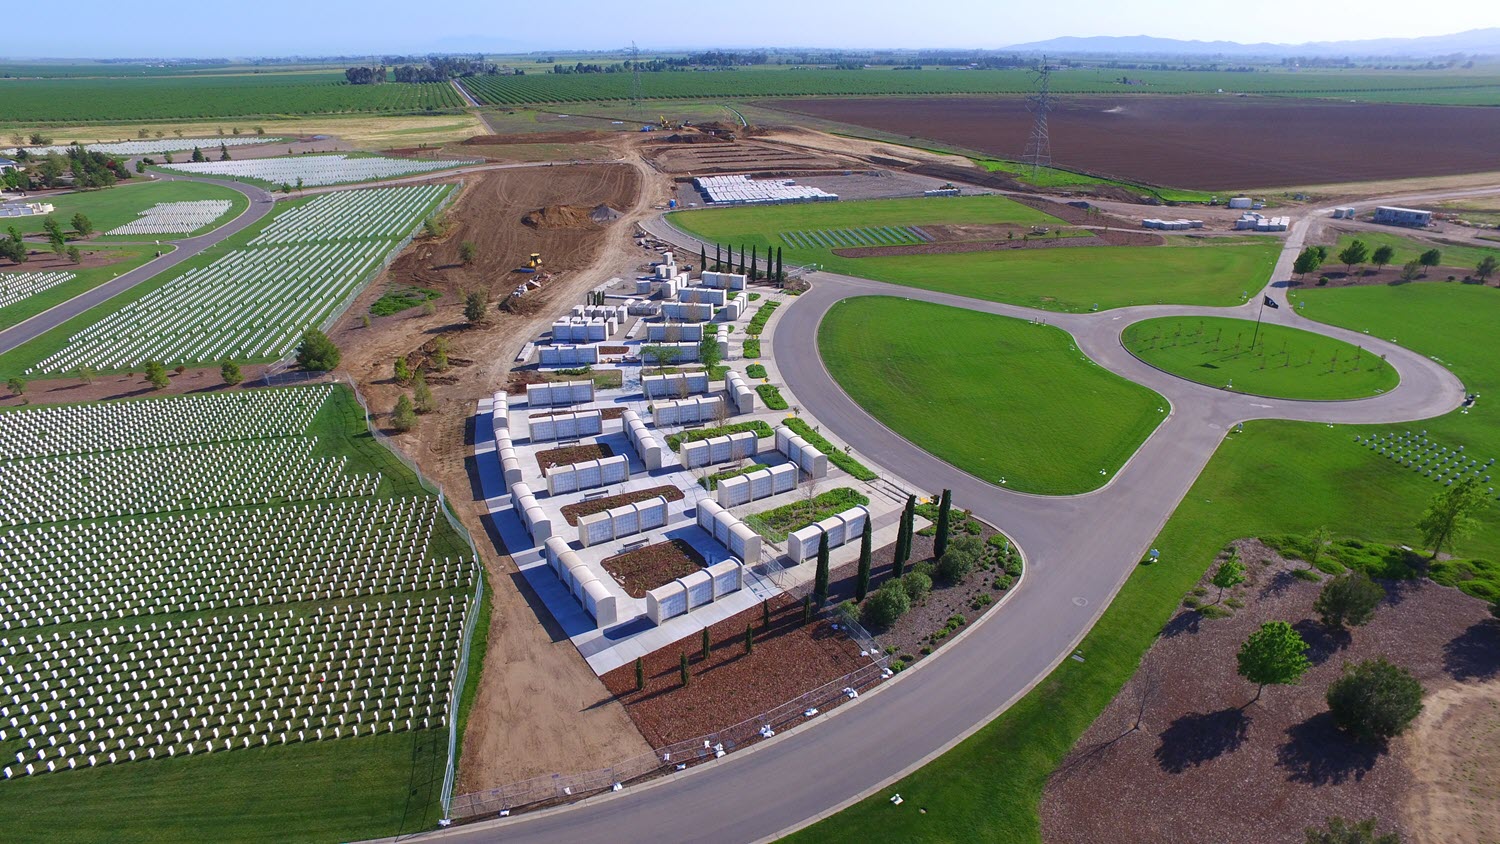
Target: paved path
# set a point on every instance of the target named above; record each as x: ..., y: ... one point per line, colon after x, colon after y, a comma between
x: 261, y: 203
x: 1079, y: 551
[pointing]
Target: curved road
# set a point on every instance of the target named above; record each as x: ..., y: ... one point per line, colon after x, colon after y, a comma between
x: 1080, y: 549
x: 261, y: 203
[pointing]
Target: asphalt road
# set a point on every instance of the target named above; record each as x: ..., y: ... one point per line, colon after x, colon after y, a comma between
x: 1079, y: 551
x: 261, y: 203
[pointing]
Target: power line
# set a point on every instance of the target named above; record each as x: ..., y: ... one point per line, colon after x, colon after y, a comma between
x: 635, y: 80
x: 1039, y: 144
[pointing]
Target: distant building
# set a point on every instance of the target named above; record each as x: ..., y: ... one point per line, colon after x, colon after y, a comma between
x: 1393, y: 216
x: 1345, y: 213
x: 9, y: 164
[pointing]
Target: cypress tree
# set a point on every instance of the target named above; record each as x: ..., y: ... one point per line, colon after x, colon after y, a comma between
x: 718, y: 259
x: 807, y: 608
x: 749, y: 639
x: 862, y: 580
x: 702, y: 258
x: 903, y: 540
x: 640, y: 674
x: 742, y: 258
x: 940, y: 541
x: 707, y: 643
x: 682, y: 671
x: 765, y: 614
x: 820, y: 579
x: 753, y: 257
x: 780, y: 270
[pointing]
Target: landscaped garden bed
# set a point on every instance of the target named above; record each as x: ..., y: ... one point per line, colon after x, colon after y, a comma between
x: 761, y: 429
x: 573, y: 512
x: 711, y: 482
x: 836, y: 456
x: 771, y: 395
x: 775, y: 524
x: 604, y: 413
x: 572, y: 454
x: 644, y: 569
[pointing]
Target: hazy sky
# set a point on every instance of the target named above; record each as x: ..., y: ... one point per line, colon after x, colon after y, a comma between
x: 281, y: 27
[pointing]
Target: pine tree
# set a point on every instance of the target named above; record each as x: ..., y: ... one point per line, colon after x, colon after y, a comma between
x: 862, y: 579
x: 945, y: 517
x: 198, y: 154
x: 820, y: 579
x: 422, y: 394
x: 403, y: 417
x: 223, y: 152
x: 230, y: 372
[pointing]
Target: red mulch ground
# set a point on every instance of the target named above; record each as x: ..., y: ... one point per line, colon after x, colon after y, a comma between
x: 71, y: 390
x: 1200, y: 142
x: 574, y: 512
x: 731, y: 686
x: 572, y: 454
x: 1389, y: 276
x: 1204, y: 766
x: 604, y: 413
x: 644, y: 569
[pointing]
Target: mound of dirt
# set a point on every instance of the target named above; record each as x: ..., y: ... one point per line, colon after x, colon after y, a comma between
x: 560, y: 217
x: 603, y: 214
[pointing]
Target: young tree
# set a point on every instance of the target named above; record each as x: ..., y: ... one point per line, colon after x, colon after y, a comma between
x: 422, y: 398
x: 1273, y: 655
x: 58, y: 244
x: 1307, y: 261
x: 718, y: 259
x: 1229, y: 574
x: 1348, y: 600
x: 702, y: 258
x: 707, y: 644
x: 904, y: 536
x: 75, y: 255
x: 1355, y: 253
x: 1374, y: 700
x: 765, y: 614
x: 403, y: 415
x: 476, y: 310
x: 229, y: 371
x: 468, y: 251
x: 1317, y: 544
x: 749, y: 640
x: 17, y: 385
x: 85, y: 374
x: 1486, y: 268
x: 317, y: 353
x: 820, y: 577
x: 640, y: 674
x: 945, y: 517
x: 299, y: 184
x: 753, y: 261
x: 780, y: 270
x: 1450, y: 515
x: 1431, y: 257
x: 862, y: 578
x: 661, y: 355
x: 402, y: 371
x: 198, y: 154
x: 51, y: 227
x: 1382, y: 255
x: 157, y: 375
x: 708, y: 351
x: 742, y: 258
x: 223, y: 152
x: 1411, y: 270
x: 682, y: 671
x: 82, y: 224
x: 1340, y: 831
x: 440, y: 354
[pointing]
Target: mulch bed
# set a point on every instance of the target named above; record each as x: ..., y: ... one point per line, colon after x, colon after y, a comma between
x: 1389, y: 276
x: 613, y: 350
x: 1115, y: 237
x: 1183, y: 748
x: 604, y: 413
x: 572, y: 454
x: 789, y: 659
x: 573, y: 512
x: 644, y: 569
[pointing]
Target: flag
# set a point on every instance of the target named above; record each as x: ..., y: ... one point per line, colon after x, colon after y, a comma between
x: 1270, y: 303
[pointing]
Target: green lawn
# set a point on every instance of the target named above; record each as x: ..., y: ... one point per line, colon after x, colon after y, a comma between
x: 1408, y: 249
x: 1285, y: 363
x: 125, y: 258
x: 1273, y: 478
x: 120, y: 204
x: 1056, y: 177
x: 1071, y: 279
x: 1000, y: 398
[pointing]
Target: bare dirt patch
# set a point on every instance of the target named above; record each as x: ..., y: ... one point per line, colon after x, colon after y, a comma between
x: 1184, y: 748
x: 573, y: 512
x: 561, y: 217
x: 1199, y: 142
x: 45, y: 260
x: 740, y: 156
x: 1455, y: 764
x: 644, y: 569
x: 572, y: 454
x: 789, y: 658
x: 580, y: 137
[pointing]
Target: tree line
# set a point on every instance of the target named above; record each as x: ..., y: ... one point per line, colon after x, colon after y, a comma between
x: 435, y: 69
x: 88, y: 169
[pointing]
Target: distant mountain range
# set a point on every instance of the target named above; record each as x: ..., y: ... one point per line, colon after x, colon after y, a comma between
x: 1472, y: 42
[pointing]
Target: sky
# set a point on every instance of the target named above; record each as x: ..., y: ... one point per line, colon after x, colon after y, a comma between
x: 288, y: 27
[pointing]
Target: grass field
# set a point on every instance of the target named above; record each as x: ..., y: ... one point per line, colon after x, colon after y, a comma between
x: 1071, y: 279
x: 178, y: 97
x: 1408, y: 249
x: 343, y: 789
x: 1285, y: 363
x: 129, y: 257
x: 1273, y: 478
x: 119, y: 205
x: 1000, y: 398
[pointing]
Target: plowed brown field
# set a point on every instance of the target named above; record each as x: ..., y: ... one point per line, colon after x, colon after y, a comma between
x: 1203, y: 142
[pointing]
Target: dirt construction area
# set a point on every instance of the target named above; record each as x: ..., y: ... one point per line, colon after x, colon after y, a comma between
x: 1185, y: 749
x: 1205, y: 142
x: 539, y: 708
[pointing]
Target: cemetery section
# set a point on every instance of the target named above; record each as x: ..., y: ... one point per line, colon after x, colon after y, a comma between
x: 314, y: 170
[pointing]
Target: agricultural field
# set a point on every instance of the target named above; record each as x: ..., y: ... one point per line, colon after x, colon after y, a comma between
x: 1274, y: 478
x: 1214, y: 144
x: 42, y: 101
x: 115, y: 206
x: 280, y: 635
x: 1283, y: 362
x: 1407, y: 249
x: 360, y: 131
x: 28, y: 290
x: 1475, y: 89
x: 1048, y: 423
x: 248, y: 298
x: 314, y: 170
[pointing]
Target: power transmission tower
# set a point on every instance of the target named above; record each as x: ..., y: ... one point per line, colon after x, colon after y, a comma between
x: 1039, y: 145
x: 635, y: 81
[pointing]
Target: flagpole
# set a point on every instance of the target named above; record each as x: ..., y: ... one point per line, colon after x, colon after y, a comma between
x: 1258, y: 315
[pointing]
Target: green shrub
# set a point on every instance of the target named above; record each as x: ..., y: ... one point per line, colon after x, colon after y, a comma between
x: 760, y: 428
x: 963, y: 553
x: 758, y: 322
x: 835, y: 456
x: 1375, y: 700
x: 917, y: 584
x: 1214, y: 611
x: 776, y: 523
x: 1306, y: 574
x: 771, y: 395
x: 756, y: 370
x: 886, y: 606
x: 752, y: 348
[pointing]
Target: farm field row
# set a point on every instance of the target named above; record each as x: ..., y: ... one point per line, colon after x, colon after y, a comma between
x: 1008, y: 401
x: 1274, y: 478
x: 178, y: 97
x: 1057, y: 279
x: 121, y: 204
x: 248, y: 298
x: 361, y: 769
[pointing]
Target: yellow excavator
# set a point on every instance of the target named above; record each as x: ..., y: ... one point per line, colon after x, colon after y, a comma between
x: 533, y: 263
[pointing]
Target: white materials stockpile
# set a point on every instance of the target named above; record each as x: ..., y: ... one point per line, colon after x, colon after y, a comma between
x: 742, y: 190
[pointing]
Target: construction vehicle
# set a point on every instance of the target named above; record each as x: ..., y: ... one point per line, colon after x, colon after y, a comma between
x: 533, y: 263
